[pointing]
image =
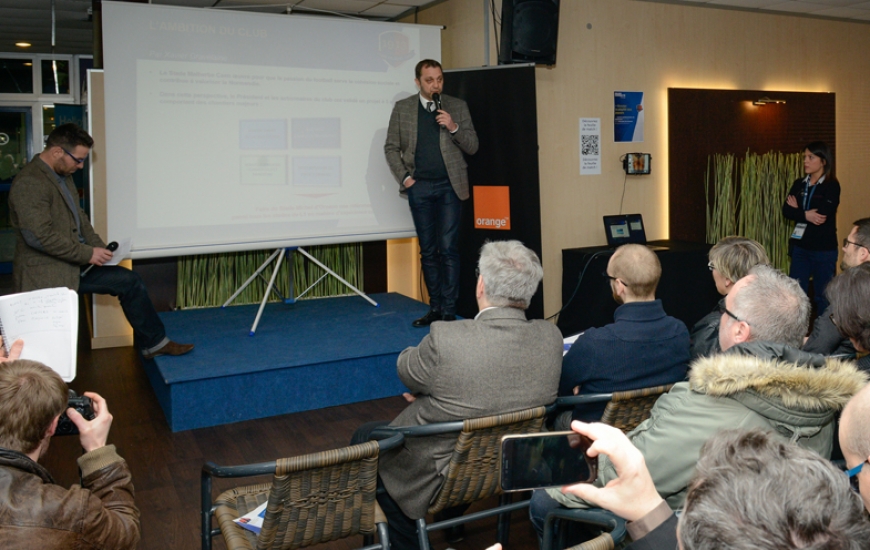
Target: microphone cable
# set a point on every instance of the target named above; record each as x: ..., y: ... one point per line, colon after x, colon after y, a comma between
x: 579, y: 280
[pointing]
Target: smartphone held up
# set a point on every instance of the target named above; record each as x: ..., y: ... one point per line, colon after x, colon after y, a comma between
x: 551, y: 459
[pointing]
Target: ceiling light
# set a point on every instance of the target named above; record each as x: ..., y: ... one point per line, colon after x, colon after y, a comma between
x: 23, y: 44
x: 766, y: 100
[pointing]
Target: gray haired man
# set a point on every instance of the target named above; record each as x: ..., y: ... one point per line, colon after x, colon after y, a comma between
x: 496, y: 363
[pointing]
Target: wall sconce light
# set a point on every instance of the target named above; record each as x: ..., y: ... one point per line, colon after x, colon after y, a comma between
x: 765, y: 100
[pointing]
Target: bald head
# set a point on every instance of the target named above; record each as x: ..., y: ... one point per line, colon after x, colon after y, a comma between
x: 638, y: 268
x: 854, y: 428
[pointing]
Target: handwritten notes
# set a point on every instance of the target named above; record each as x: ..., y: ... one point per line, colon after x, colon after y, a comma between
x: 47, y: 321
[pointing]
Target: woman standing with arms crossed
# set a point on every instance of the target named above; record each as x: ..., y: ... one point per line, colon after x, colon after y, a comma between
x: 812, y: 203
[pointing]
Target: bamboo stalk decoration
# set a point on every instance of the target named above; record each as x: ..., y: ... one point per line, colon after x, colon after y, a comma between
x: 208, y: 280
x: 755, y: 212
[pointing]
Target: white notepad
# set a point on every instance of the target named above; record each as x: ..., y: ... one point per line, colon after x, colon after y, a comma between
x: 48, y: 322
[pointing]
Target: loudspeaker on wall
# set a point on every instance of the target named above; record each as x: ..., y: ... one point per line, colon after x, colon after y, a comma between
x: 529, y: 31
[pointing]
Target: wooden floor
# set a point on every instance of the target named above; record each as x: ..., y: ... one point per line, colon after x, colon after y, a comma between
x: 166, y: 466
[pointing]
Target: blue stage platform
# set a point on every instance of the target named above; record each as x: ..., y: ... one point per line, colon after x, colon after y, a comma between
x: 307, y: 355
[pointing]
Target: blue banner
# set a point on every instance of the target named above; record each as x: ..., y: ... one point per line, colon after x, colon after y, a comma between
x: 627, y: 116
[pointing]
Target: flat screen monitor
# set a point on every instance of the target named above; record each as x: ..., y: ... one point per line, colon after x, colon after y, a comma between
x: 623, y: 229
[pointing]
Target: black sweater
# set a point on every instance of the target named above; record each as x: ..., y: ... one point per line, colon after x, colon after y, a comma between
x: 825, y: 199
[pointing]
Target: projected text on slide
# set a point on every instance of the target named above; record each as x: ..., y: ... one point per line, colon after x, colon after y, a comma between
x: 233, y: 130
x: 275, y: 138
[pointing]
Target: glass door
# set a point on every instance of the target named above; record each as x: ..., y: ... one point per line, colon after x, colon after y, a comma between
x: 15, y: 150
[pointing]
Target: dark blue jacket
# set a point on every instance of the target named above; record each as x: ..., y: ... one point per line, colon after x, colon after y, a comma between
x: 644, y: 347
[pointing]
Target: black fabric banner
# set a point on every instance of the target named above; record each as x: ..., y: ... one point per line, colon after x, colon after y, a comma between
x: 502, y: 102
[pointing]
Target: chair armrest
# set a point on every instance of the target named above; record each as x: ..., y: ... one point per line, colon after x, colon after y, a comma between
x: 243, y: 470
x: 436, y: 428
x: 387, y: 439
x: 582, y: 399
x: 594, y: 516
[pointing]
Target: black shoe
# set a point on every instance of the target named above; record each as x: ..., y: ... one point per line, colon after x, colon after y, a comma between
x: 427, y: 319
x: 456, y: 533
x: 448, y: 317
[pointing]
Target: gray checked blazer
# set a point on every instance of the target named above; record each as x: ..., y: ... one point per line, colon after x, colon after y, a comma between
x: 499, y: 363
x: 401, y: 141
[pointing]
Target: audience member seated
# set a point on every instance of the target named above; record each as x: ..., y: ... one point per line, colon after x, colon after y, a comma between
x: 498, y: 362
x: 730, y: 260
x: 750, y: 490
x: 37, y: 513
x: 825, y: 338
x: 760, y: 380
x: 642, y: 348
x: 855, y: 442
x: 849, y: 296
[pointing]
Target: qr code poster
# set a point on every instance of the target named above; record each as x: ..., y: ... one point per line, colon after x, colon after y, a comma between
x: 590, y: 146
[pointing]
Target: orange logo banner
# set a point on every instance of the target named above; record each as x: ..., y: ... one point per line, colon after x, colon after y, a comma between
x: 492, y: 207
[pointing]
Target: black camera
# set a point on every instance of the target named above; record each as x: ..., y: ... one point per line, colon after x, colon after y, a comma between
x: 82, y: 405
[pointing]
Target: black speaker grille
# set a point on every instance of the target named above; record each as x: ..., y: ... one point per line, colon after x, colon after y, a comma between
x: 534, y: 29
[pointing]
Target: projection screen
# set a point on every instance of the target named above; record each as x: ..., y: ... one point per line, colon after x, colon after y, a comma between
x: 233, y: 131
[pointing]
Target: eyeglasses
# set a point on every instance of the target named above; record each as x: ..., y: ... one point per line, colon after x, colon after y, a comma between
x: 477, y: 273
x: 852, y: 474
x: 76, y: 159
x: 833, y: 321
x: 723, y: 309
x: 710, y: 266
x: 616, y: 279
x: 847, y: 242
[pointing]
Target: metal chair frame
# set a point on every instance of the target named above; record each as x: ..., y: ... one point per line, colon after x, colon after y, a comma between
x: 467, y: 430
x: 211, y: 470
x: 641, y: 402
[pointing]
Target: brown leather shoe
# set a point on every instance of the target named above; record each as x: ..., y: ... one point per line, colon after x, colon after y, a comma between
x: 171, y: 348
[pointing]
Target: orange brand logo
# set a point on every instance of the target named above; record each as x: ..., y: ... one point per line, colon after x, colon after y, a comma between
x: 492, y: 207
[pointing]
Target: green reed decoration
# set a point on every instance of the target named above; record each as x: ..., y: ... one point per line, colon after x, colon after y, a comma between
x: 752, y: 206
x: 722, y: 214
x: 208, y: 280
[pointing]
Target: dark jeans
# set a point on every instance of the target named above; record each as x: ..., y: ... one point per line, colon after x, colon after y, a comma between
x: 148, y: 330
x: 542, y: 504
x: 436, y: 210
x: 821, y: 265
x: 402, y: 529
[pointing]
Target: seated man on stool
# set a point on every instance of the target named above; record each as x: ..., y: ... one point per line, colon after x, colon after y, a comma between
x: 642, y: 348
x: 498, y: 362
x: 55, y: 241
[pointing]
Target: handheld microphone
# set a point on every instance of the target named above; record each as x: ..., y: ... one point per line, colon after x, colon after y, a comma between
x: 437, y: 99
x: 111, y: 247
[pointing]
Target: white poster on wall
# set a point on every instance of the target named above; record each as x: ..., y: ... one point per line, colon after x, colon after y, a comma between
x: 590, y: 143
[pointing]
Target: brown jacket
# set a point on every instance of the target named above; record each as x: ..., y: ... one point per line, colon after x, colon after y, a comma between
x: 36, y: 513
x: 48, y: 252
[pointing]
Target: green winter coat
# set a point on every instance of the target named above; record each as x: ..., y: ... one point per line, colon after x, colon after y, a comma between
x: 732, y: 390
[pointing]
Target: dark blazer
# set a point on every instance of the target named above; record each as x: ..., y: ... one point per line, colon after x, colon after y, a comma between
x: 48, y: 252
x: 401, y: 141
x: 499, y: 363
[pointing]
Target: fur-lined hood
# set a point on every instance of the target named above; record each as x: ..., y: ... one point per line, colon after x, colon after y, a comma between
x: 797, y: 386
